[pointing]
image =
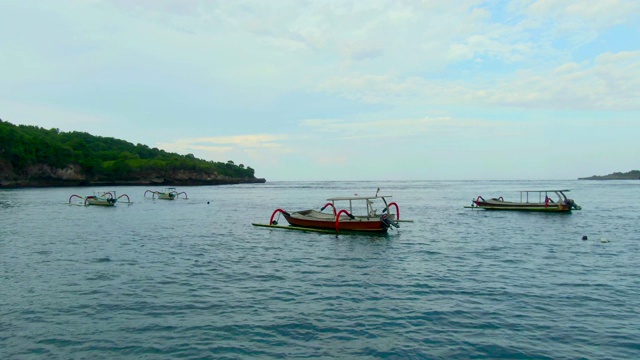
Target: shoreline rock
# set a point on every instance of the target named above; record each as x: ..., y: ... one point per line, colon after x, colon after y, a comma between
x: 40, y: 175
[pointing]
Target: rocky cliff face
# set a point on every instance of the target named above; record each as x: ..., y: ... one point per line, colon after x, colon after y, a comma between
x: 72, y: 175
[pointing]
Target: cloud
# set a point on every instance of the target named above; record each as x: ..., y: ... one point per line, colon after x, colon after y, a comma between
x: 570, y: 15
x: 602, y: 84
x: 383, y: 52
x: 248, y: 144
x: 575, y: 23
x: 405, y: 130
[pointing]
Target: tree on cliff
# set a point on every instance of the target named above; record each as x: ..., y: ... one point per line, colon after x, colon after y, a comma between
x: 100, y: 158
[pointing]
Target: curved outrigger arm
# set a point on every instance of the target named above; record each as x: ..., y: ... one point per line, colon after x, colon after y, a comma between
x: 178, y: 194
x: 128, y: 199
x: 386, y: 209
x: 271, y: 221
x: 78, y: 196
x: 397, y: 219
x: 329, y: 204
x: 343, y: 211
x: 153, y: 193
x: 387, y: 219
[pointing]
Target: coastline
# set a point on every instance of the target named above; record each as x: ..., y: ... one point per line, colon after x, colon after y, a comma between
x: 629, y: 175
x: 46, y: 183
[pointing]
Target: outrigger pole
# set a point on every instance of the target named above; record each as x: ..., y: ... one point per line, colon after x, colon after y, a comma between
x: 299, y: 228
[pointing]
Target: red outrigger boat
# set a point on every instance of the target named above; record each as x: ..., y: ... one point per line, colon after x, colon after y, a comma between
x: 530, y: 200
x: 343, y: 220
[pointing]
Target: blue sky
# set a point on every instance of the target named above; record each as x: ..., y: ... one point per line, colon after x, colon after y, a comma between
x: 338, y: 90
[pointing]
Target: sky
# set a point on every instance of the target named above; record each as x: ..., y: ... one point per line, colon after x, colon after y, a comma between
x: 338, y: 90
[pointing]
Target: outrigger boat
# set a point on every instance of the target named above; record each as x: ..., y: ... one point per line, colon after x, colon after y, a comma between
x: 100, y: 198
x: 342, y: 220
x: 167, y: 194
x: 530, y: 200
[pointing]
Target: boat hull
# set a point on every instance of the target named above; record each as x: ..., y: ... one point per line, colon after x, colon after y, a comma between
x: 317, y: 220
x: 512, y: 206
x: 101, y: 202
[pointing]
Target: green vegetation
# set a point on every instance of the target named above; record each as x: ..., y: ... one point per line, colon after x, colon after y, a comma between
x: 100, y: 158
x: 631, y: 175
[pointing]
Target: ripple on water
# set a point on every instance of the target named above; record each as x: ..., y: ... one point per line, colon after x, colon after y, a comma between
x: 196, y: 280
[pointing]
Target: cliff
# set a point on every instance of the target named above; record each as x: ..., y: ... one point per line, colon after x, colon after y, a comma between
x: 42, y: 175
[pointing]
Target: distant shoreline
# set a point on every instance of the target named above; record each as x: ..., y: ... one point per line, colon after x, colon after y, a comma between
x: 631, y: 175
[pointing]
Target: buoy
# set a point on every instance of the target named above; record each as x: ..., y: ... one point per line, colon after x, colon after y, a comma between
x: 207, y: 202
x: 585, y: 237
x: 603, y: 240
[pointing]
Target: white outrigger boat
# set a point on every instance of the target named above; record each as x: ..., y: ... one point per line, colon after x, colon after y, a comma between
x: 530, y: 200
x: 100, y: 198
x: 345, y: 219
x: 169, y: 193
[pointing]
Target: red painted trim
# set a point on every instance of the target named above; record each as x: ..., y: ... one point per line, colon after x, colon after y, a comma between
x: 330, y: 204
x: 397, y: 209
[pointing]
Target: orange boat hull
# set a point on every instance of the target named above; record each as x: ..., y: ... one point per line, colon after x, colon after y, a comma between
x: 346, y: 224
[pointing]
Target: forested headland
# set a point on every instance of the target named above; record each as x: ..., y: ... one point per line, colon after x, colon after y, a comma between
x: 630, y: 175
x: 34, y: 156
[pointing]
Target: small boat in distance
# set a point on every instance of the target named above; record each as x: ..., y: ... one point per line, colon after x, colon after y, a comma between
x: 530, y: 200
x: 100, y: 198
x: 345, y: 219
x: 169, y: 193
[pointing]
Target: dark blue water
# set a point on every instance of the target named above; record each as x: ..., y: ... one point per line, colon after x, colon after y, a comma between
x: 194, y: 279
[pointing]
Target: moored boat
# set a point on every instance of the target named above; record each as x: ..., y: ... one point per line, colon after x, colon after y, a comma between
x: 530, y: 200
x: 356, y: 214
x: 167, y: 194
x: 100, y: 198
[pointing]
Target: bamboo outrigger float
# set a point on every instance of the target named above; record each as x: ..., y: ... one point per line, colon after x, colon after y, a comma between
x: 167, y: 194
x: 343, y: 220
x: 100, y: 198
x: 530, y: 200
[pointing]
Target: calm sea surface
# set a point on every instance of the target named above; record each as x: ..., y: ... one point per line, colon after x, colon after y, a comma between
x: 194, y: 279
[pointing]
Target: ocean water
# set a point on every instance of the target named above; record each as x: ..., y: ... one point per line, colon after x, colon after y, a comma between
x: 194, y: 279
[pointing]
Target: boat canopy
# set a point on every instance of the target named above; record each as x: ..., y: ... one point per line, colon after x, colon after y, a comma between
x: 368, y: 202
x: 524, y: 194
x: 343, y: 198
x: 554, y: 190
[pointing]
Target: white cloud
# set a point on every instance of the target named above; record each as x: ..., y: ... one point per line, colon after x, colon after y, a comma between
x: 608, y: 83
x: 579, y: 22
x: 244, y: 147
x: 573, y: 15
x: 406, y: 70
x: 407, y: 130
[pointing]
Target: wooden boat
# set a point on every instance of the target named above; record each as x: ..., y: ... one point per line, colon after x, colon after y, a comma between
x: 100, y: 198
x: 344, y: 220
x: 167, y: 194
x: 530, y: 200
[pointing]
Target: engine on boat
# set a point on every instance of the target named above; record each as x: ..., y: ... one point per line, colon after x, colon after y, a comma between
x: 573, y: 204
